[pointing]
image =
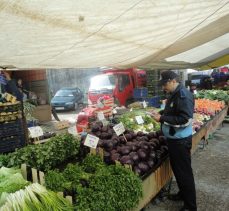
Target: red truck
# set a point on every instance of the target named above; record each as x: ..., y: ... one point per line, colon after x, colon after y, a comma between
x: 117, y: 83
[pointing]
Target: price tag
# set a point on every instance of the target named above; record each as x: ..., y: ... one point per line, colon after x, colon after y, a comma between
x: 100, y: 104
x: 72, y: 130
x: 105, y: 122
x: 35, y: 131
x: 119, y: 129
x: 100, y: 116
x: 91, y: 141
x: 139, y: 120
x: 144, y: 104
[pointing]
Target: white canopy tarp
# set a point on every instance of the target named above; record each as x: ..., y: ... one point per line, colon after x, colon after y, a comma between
x: 117, y: 33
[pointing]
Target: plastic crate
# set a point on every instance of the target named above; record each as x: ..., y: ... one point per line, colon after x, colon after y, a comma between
x: 11, y: 128
x: 10, y: 144
x: 154, y: 102
x: 140, y: 93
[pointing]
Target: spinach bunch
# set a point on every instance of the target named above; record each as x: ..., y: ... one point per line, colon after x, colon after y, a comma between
x: 45, y: 156
x: 98, y: 186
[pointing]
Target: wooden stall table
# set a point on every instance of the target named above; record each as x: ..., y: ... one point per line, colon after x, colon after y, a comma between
x: 215, y: 122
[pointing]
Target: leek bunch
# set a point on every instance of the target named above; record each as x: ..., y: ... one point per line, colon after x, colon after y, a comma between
x: 35, y: 197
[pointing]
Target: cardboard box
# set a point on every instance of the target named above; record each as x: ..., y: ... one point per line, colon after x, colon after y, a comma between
x: 43, y: 113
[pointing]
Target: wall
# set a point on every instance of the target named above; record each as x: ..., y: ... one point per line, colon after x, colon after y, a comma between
x: 34, y: 81
x: 70, y: 78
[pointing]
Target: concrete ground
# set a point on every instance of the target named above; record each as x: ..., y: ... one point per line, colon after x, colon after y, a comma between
x: 70, y: 116
x: 211, y: 171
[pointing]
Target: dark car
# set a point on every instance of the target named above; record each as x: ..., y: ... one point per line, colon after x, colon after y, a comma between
x: 67, y: 99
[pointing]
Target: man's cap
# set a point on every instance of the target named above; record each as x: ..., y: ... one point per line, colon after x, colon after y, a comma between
x: 167, y: 76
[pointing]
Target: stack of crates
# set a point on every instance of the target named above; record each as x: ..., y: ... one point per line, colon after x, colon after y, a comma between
x: 140, y: 94
x: 155, y: 93
x: 12, y: 130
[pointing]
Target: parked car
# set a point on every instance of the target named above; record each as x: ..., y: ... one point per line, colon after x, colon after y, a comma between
x: 67, y: 99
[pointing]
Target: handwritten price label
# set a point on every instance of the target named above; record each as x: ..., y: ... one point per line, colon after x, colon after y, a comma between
x: 100, y: 116
x: 139, y: 120
x: 91, y: 141
x: 144, y: 104
x: 35, y: 131
x: 119, y: 129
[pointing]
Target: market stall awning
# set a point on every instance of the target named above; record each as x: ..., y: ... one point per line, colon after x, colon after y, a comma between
x: 123, y: 33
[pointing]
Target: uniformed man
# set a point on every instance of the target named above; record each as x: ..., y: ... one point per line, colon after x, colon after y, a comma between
x: 176, y: 122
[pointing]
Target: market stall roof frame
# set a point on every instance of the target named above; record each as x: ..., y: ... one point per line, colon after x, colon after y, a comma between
x: 95, y: 33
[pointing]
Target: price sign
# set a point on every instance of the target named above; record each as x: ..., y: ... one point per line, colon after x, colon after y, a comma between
x: 35, y: 131
x: 72, y: 130
x: 100, y: 104
x: 139, y: 120
x: 114, y: 111
x: 91, y: 141
x: 100, y: 116
x: 119, y: 129
x: 144, y: 104
x: 105, y: 122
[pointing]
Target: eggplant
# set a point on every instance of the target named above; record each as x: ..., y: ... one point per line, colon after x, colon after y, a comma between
x: 106, y: 154
x: 152, y: 155
x: 134, y: 148
x: 100, y: 143
x: 115, y: 157
x: 98, y: 134
x: 126, y: 160
x: 122, y: 140
x: 140, y: 133
x: 134, y: 156
x: 128, y: 137
x: 138, y: 138
x: 145, y: 138
x: 143, y: 166
x: 125, y: 150
x: 137, y: 170
x: 129, y: 143
x: 114, y: 136
x: 152, y: 135
x: 142, y: 154
x: 104, y: 129
x: 108, y: 145
x: 134, y: 135
x: 95, y: 128
x: 151, y: 164
x: 145, y: 147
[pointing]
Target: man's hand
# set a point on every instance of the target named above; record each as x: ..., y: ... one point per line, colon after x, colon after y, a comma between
x: 155, y: 116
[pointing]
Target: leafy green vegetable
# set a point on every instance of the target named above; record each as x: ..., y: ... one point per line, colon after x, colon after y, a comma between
x: 55, y: 180
x: 129, y: 121
x: 35, y: 197
x: 213, y: 95
x: 11, y: 180
x: 99, y: 187
x: 45, y: 156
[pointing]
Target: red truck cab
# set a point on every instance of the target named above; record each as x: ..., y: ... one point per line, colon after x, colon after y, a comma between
x: 117, y: 83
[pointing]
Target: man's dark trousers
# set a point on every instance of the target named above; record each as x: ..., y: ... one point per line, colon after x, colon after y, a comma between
x: 180, y: 159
